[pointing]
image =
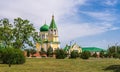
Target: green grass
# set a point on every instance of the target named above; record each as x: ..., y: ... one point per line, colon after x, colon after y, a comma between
x: 61, y: 65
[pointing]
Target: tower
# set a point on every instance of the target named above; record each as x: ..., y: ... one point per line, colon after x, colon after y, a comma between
x: 53, y: 35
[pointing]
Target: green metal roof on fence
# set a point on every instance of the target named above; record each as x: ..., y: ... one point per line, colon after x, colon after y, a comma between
x: 92, y: 49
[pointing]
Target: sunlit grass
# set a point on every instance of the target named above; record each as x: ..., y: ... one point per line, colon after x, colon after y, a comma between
x: 61, y: 65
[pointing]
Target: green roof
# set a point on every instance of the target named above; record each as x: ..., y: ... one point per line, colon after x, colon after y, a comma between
x: 92, y: 49
x: 52, y: 24
x: 45, y: 27
x: 66, y: 48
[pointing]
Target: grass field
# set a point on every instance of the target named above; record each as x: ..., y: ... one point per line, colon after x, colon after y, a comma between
x: 63, y: 65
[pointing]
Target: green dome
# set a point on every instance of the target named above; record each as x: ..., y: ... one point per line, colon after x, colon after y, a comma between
x: 45, y: 27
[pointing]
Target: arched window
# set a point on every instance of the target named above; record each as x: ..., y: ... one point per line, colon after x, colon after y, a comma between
x: 43, y: 36
x: 55, y: 32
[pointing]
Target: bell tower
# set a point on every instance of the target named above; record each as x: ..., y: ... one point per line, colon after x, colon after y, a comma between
x: 53, y: 35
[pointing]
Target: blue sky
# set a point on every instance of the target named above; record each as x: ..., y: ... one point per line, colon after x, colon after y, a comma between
x: 86, y: 22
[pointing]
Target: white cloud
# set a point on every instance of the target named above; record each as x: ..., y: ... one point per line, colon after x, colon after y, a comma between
x: 38, y: 11
x: 111, y: 2
x: 104, y: 16
x: 72, y: 31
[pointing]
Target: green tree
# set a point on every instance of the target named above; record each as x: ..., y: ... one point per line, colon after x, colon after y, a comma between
x: 28, y: 52
x: 114, y: 51
x: 49, y: 52
x: 85, y: 55
x: 12, y: 56
x: 32, y: 51
x: 116, y: 55
x: 42, y: 51
x: 74, y: 54
x: 60, y: 54
x: 23, y: 33
x: 17, y: 35
x: 6, y: 32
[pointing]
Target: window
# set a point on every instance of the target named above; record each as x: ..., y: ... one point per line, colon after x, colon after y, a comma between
x: 43, y: 36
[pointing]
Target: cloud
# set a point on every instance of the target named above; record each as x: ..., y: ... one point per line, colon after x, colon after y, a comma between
x: 104, y: 16
x: 39, y: 11
x: 104, y: 23
x: 72, y: 31
x: 110, y: 2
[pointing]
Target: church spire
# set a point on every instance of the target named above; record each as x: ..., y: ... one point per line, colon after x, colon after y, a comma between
x: 45, y: 22
x: 52, y: 24
x: 52, y: 16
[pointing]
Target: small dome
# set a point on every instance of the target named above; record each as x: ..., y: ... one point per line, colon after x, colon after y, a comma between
x: 45, y: 27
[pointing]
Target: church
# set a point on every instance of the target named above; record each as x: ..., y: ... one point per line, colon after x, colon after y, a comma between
x: 48, y: 36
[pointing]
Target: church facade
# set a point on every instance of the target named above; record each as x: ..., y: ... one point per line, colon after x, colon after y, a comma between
x: 48, y: 36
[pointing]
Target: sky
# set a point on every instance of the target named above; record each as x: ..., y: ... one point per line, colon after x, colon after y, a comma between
x: 94, y: 23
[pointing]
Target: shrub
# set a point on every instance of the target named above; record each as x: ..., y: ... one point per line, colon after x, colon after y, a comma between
x: 60, y: 54
x: 110, y: 55
x: 106, y: 55
x: 12, y: 56
x: 85, y: 55
x: 74, y: 54
x: 28, y: 53
x: 50, y: 52
x: 32, y: 52
x: 42, y: 51
x: 116, y: 55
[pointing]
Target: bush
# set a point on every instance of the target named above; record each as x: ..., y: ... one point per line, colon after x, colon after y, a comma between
x: 42, y: 52
x: 60, y: 54
x: 28, y: 53
x: 50, y: 52
x: 85, y: 55
x: 116, y: 55
x: 12, y: 56
x: 32, y: 52
x: 106, y: 55
x: 74, y: 54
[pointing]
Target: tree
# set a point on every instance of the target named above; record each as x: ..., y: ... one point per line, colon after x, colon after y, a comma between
x: 116, y: 55
x: 85, y: 55
x: 12, y: 56
x: 42, y: 52
x: 74, y: 54
x: 6, y: 32
x: 32, y: 51
x: 60, y: 54
x: 16, y: 35
x: 23, y: 31
x: 114, y: 51
x: 28, y: 52
x: 49, y: 52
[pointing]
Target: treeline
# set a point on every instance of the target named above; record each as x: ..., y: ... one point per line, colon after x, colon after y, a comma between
x: 111, y: 52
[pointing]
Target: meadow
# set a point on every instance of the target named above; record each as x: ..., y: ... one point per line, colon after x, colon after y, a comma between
x: 64, y: 65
